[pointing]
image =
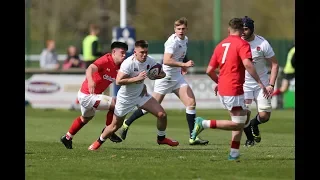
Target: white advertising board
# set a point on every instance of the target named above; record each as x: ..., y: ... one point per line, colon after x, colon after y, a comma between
x: 60, y: 91
x: 52, y: 90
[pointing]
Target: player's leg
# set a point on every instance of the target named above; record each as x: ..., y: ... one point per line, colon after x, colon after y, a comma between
x: 151, y: 105
x: 185, y: 94
x: 135, y: 115
x: 239, y: 116
x: 249, y: 96
x: 161, y: 88
x: 140, y: 112
x: 87, y: 113
x: 120, y: 112
x: 238, y: 113
x: 107, y: 132
x: 108, y: 103
x: 264, y: 112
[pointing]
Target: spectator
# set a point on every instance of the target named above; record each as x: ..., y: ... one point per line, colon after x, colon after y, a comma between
x: 288, y: 72
x: 73, y: 59
x: 91, y: 48
x: 48, y: 57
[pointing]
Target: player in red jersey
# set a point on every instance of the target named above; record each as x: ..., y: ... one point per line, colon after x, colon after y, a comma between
x: 233, y: 56
x: 99, y: 75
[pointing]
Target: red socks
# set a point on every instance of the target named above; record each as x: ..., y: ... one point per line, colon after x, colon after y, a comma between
x: 276, y: 92
x: 109, y: 117
x: 235, y: 144
x: 213, y: 124
x: 76, y: 126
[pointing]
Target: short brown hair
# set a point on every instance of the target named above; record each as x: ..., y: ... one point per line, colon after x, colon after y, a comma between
x: 94, y: 27
x: 181, y: 21
x: 142, y: 44
x: 236, y: 24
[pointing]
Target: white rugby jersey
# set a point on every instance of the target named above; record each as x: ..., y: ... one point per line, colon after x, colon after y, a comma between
x: 178, y: 48
x: 132, y: 67
x: 260, y: 49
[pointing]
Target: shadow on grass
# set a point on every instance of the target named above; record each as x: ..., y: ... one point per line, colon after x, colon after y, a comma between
x: 173, y: 149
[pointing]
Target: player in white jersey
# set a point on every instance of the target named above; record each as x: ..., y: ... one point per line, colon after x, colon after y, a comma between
x: 133, y: 93
x: 174, y: 65
x: 262, y: 53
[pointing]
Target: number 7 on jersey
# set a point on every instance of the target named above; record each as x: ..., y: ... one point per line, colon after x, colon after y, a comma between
x: 226, y: 45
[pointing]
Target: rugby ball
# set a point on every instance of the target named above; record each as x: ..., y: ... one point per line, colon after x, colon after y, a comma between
x: 154, y: 71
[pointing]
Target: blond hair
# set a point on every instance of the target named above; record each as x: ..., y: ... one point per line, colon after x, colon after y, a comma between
x: 181, y: 21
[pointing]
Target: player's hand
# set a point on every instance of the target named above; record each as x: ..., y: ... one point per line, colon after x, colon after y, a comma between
x: 184, y: 70
x: 266, y: 93
x: 190, y: 63
x: 216, y: 90
x: 91, y: 86
x: 142, y: 75
x: 270, y: 89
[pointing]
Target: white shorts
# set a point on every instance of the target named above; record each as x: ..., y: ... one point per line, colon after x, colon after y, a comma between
x: 89, y: 103
x: 263, y: 104
x: 232, y: 101
x: 122, y: 107
x: 165, y: 86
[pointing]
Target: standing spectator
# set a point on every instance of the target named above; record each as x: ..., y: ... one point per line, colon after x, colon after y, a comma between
x: 288, y: 72
x: 73, y: 60
x: 91, y: 48
x: 48, y: 57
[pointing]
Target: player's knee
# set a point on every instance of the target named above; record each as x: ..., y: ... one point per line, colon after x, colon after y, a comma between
x: 239, y: 122
x: 264, y: 108
x: 86, y: 119
x: 191, y: 105
x: 264, y: 118
x: 162, y: 115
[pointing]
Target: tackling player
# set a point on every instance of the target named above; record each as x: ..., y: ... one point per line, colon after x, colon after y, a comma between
x: 99, y: 75
x: 262, y: 52
x: 174, y: 65
x: 233, y: 56
x: 131, y: 77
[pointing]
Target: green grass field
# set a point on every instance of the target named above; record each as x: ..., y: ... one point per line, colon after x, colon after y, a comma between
x: 140, y: 157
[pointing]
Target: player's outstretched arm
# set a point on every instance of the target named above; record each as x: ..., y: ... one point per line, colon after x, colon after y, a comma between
x: 124, y: 79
